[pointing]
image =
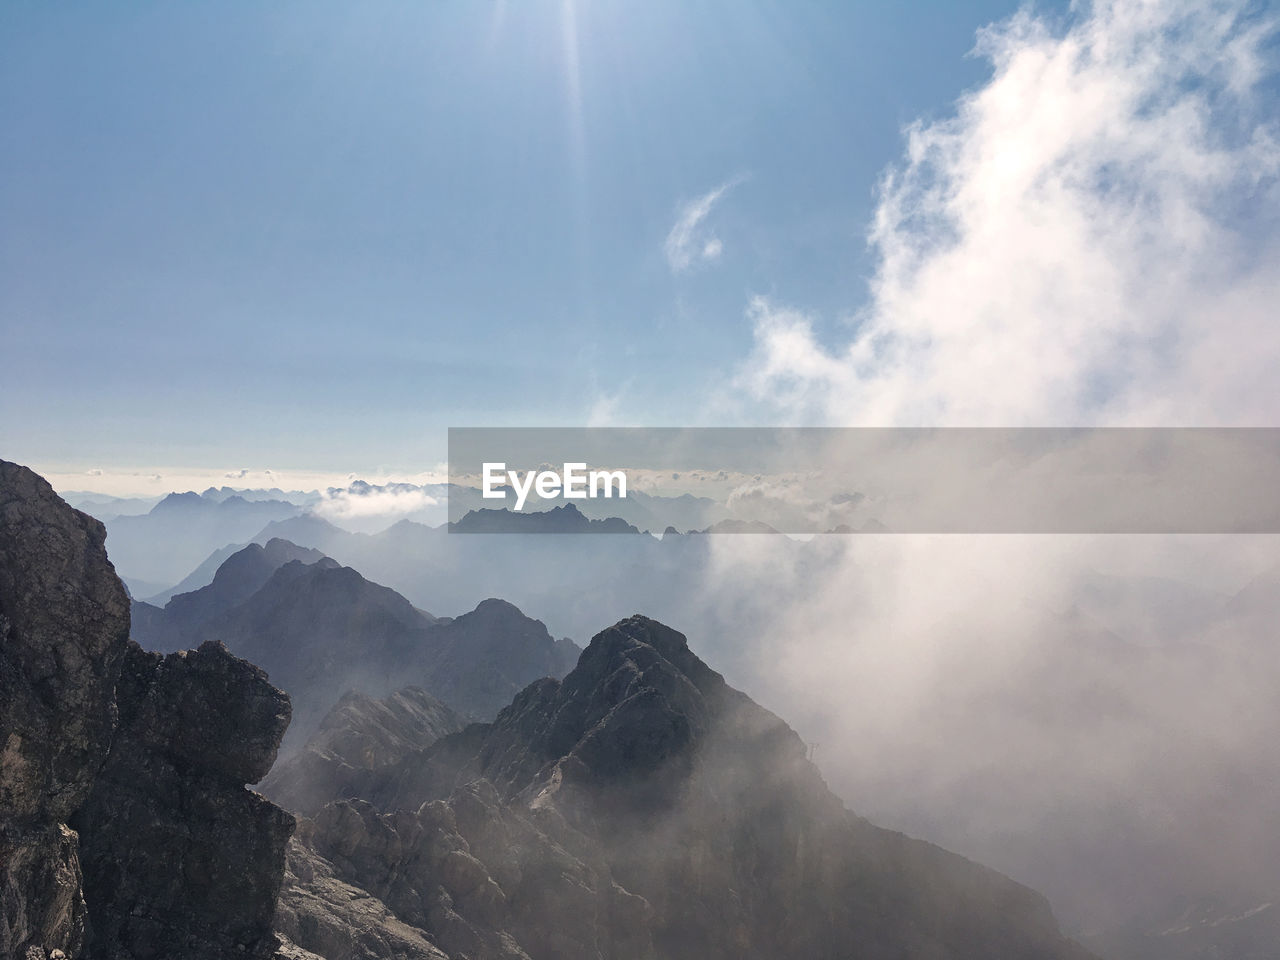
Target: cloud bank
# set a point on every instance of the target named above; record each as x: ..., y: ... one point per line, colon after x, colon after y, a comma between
x: 361, y: 500
x: 1091, y: 238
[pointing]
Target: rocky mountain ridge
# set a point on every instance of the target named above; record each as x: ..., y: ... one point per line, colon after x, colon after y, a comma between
x: 641, y: 807
x: 638, y: 808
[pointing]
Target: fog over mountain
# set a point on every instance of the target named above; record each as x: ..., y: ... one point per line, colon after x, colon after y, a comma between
x: 169, y: 543
x: 264, y: 265
x: 531, y: 836
x: 640, y: 807
x: 183, y: 529
x: 1078, y: 733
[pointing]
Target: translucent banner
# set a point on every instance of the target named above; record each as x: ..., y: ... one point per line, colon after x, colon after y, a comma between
x: 827, y: 480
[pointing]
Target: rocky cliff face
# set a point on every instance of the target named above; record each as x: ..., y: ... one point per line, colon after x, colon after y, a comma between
x: 639, y: 808
x: 146, y: 756
x: 64, y: 624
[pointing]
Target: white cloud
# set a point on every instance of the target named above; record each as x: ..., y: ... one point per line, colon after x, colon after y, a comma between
x: 394, y: 500
x: 1090, y: 239
x: 690, y: 241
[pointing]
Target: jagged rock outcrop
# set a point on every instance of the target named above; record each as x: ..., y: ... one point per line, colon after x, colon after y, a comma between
x: 145, y: 756
x: 64, y: 623
x: 358, y: 736
x: 177, y: 855
x: 643, y: 808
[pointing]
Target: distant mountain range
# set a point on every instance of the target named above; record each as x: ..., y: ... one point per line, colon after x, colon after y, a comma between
x: 157, y: 542
x: 1123, y: 853
x: 179, y: 532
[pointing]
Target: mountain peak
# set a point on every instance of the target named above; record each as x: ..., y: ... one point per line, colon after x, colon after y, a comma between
x: 495, y: 607
x: 177, y: 501
x: 757, y: 858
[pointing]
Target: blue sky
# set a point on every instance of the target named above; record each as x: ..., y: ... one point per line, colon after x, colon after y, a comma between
x: 316, y: 235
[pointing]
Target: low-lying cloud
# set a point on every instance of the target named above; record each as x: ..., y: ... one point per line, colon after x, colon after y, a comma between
x: 362, y: 501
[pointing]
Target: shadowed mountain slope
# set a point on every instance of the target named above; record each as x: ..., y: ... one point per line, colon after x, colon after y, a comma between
x: 321, y: 630
x: 641, y: 807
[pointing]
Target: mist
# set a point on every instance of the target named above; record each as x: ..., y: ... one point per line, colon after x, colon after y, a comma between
x: 1090, y: 239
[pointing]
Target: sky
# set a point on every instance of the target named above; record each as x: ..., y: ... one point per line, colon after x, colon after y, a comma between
x: 311, y: 236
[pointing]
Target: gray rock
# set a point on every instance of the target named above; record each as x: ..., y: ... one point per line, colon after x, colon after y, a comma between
x: 359, y: 735
x: 64, y: 624
x: 145, y: 756
x: 176, y: 852
x: 643, y: 808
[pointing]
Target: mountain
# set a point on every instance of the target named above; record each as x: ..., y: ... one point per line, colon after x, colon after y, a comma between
x: 360, y: 734
x: 241, y: 575
x: 641, y: 807
x: 300, y: 497
x: 564, y: 519
x: 177, y: 856
x: 309, y: 530
x: 485, y: 657
x: 125, y: 827
x: 321, y: 630
x: 1110, y: 748
x: 166, y: 543
x: 1203, y: 930
x: 447, y: 570
x: 653, y: 513
x: 201, y: 576
x: 106, y: 507
x: 738, y: 526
